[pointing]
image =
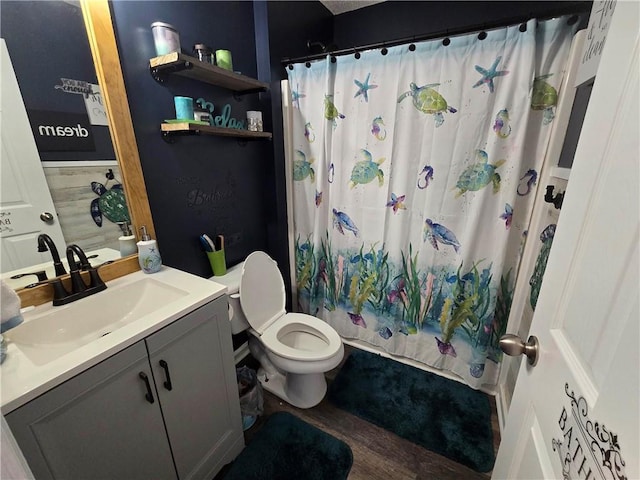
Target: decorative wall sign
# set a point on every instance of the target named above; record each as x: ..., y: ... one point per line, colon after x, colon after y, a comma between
x: 223, y: 120
x: 61, y: 131
x: 599, y: 21
x: 587, y: 449
x: 95, y: 107
x: 79, y: 87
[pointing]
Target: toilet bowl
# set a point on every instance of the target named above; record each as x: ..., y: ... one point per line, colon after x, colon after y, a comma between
x: 293, y: 349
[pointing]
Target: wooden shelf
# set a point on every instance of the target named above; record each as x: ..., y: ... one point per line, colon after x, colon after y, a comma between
x: 185, y: 128
x: 177, y: 63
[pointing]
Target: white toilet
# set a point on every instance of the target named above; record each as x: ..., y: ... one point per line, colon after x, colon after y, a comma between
x: 294, y: 349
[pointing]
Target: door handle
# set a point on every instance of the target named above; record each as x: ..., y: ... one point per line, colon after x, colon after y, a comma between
x: 46, y: 217
x: 149, y: 394
x: 167, y: 383
x: 513, y: 346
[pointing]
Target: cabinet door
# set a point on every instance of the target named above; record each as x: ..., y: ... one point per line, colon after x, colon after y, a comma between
x: 200, y: 407
x: 97, y: 425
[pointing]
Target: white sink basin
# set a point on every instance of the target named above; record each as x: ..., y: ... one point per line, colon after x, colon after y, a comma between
x: 51, y: 332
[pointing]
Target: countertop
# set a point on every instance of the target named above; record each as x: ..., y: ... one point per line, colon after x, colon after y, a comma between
x: 22, y: 380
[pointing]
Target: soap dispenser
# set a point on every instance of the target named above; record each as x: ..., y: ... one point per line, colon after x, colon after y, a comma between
x: 148, y: 253
x: 127, y: 240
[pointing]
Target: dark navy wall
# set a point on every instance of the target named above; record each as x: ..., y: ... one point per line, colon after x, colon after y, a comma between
x: 204, y: 184
x: 46, y: 42
x: 401, y: 19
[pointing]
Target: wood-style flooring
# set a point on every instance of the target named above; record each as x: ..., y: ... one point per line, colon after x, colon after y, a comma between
x: 377, y: 453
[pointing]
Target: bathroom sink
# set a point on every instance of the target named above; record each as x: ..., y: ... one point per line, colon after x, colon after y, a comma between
x: 50, y: 332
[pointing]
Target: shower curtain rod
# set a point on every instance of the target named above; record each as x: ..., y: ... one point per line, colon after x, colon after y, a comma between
x: 441, y: 34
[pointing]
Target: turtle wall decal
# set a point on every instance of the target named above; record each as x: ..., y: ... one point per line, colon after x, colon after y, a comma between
x: 110, y: 202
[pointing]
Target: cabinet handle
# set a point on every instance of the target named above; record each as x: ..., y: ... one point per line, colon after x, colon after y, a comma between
x: 149, y: 395
x: 167, y: 383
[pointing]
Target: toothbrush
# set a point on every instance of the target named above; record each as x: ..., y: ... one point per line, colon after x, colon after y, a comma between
x: 207, y: 244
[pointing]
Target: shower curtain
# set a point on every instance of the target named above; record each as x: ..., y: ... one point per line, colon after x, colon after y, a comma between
x: 414, y: 170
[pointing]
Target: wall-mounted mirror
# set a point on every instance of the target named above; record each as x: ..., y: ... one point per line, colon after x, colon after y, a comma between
x: 48, y: 50
x: 60, y: 174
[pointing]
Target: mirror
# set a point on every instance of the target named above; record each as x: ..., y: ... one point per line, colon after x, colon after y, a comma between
x: 99, y: 30
x: 69, y: 150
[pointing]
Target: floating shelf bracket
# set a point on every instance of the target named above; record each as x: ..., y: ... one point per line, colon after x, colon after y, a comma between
x: 160, y: 73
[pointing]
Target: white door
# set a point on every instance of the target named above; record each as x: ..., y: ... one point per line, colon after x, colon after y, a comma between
x: 575, y: 415
x: 24, y: 193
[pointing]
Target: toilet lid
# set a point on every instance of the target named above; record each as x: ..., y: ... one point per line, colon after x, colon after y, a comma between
x: 262, y: 294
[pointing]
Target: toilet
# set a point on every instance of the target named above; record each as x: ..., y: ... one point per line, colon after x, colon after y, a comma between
x: 293, y: 349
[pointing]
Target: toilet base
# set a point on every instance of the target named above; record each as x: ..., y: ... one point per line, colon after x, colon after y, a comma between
x: 300, y: 390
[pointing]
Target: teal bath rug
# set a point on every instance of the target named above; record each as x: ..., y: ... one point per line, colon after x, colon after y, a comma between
x: 286, y: 448
x: 441, y: 415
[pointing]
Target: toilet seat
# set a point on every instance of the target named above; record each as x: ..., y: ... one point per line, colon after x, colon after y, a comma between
x: 298, y: 336
x: 295, y: 336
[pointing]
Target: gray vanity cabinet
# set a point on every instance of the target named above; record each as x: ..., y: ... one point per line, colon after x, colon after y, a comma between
x: 106, y: 423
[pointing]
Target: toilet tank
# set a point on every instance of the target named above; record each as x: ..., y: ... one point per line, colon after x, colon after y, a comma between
x: 231, y: 280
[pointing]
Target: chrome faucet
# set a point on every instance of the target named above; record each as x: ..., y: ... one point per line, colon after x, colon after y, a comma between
x: 79, y: 289
x: 45, y: 243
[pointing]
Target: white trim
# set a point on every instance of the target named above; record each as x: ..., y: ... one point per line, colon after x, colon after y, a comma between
x: 560, y: 172
x: 288, y: 165
x: 80, y: 163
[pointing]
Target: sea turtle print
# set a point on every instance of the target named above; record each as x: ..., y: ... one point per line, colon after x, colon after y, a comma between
x: 330, y: 110
x: 544, y: 97
x: 428, y: 100
x: 110, y: 202
x: 366, y: 170
x: 302, y: 168
x: 436, y: 233
x: 479, y: 174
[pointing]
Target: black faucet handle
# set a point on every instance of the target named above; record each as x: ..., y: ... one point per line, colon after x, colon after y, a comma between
x: 41, y: 274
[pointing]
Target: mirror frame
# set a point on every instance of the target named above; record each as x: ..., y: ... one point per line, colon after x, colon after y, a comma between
x: 102, y: 41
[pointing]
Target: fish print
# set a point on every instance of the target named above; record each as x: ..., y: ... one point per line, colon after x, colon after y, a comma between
x: 342, y: 222
x: 507, y: 215
x: 434, y: 232
x: 501, y: 125
x: 385, y: 333
x: 396, y: 202
x: 331, y: 173
x: 531, y: 178
x: 357, y: 319
x: 376, y: 130
x: 489, y: 74
x: 318, y: 198
x: 308, y: 132
x: 364, y: 87
x: 425, y: 176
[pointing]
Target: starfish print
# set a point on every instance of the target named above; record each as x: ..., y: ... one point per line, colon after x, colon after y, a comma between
x: 489, y: 75
x: 296, y: 96
x: 363, y: 87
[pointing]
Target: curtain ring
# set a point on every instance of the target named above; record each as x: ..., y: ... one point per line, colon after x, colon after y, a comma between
x: 412, y: 48
x: 523, y: 27
x: 333, y: 59
x: 356, y: 54
x: 384, y: 50
x: 290, y: 67
x: 482, y: 35
x: 446, y: 41
x: 308, y: 64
